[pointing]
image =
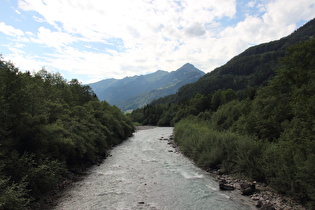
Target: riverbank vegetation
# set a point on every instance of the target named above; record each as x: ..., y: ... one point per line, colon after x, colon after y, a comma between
x: 48, y: 128
x: 263, y: 132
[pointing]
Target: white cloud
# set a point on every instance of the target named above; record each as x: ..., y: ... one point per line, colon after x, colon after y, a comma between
x: 10, y: 30
x: 283, y: 12
x: 53, y: 39
x: 144, y: 27
x: 279, y: 20
x: 251, y: 3
x: 40, y: 20
x: 195, y: 30
x: 162, y: 34
x: 24, y: 61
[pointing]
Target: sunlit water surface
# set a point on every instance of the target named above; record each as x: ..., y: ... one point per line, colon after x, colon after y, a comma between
x: 142, y: 173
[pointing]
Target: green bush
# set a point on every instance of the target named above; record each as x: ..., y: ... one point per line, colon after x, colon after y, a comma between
x: 287, y: 165
x: 211, y: 149
x: 13, y: 196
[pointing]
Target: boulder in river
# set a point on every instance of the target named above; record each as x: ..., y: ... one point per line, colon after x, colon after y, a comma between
x: 223, y: 185
x: 248, y: 188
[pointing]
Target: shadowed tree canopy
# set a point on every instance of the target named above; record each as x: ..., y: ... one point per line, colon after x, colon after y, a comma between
x: 48, y: 128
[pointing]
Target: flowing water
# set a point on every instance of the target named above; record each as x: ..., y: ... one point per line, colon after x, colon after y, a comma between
x: 145, y: 173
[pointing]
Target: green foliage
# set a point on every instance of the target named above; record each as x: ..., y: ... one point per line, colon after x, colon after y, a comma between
x: 268, y: 137
x: 211, y: 149
x: 170, y: 114
x: 49, y: 126
x: 13, y: 196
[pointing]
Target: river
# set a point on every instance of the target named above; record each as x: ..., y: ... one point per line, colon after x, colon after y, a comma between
x: 145, y: 172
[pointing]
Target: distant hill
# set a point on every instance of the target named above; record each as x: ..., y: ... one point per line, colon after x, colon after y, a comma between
x: 252, y: 68
x: 134, y: 92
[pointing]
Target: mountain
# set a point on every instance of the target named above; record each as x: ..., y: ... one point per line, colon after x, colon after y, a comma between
x: 252, y: 68
x: 116, y: 90
x: 137, y: 91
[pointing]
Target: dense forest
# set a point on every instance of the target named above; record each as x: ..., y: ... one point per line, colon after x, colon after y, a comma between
x: 264, y: 132
x: 50, y: 128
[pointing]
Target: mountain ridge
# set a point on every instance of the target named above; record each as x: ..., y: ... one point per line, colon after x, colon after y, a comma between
x: 139, y: 90
x: 251, y: 68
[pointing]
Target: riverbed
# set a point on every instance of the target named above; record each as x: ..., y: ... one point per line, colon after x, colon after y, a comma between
x: 145, y: 172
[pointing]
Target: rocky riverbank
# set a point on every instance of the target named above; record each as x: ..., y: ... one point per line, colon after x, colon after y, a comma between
x: 261, y: 195
x: 50, y: 201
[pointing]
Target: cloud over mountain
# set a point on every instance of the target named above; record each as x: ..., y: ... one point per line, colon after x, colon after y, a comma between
x: 78, y: 38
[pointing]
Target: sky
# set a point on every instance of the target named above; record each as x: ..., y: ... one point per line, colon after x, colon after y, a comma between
x: 91, y: 40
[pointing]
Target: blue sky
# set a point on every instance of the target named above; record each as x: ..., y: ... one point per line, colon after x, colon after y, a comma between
x: 96, y: 39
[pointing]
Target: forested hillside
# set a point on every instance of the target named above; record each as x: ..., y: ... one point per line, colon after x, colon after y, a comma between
x: 270, y: 137
x: 264, y: 131
x: 252, y: 68
x: 48, y: 128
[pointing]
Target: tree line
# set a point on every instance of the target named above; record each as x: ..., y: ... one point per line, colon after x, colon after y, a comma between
x: 265, y: 133
x: 49, y: 128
